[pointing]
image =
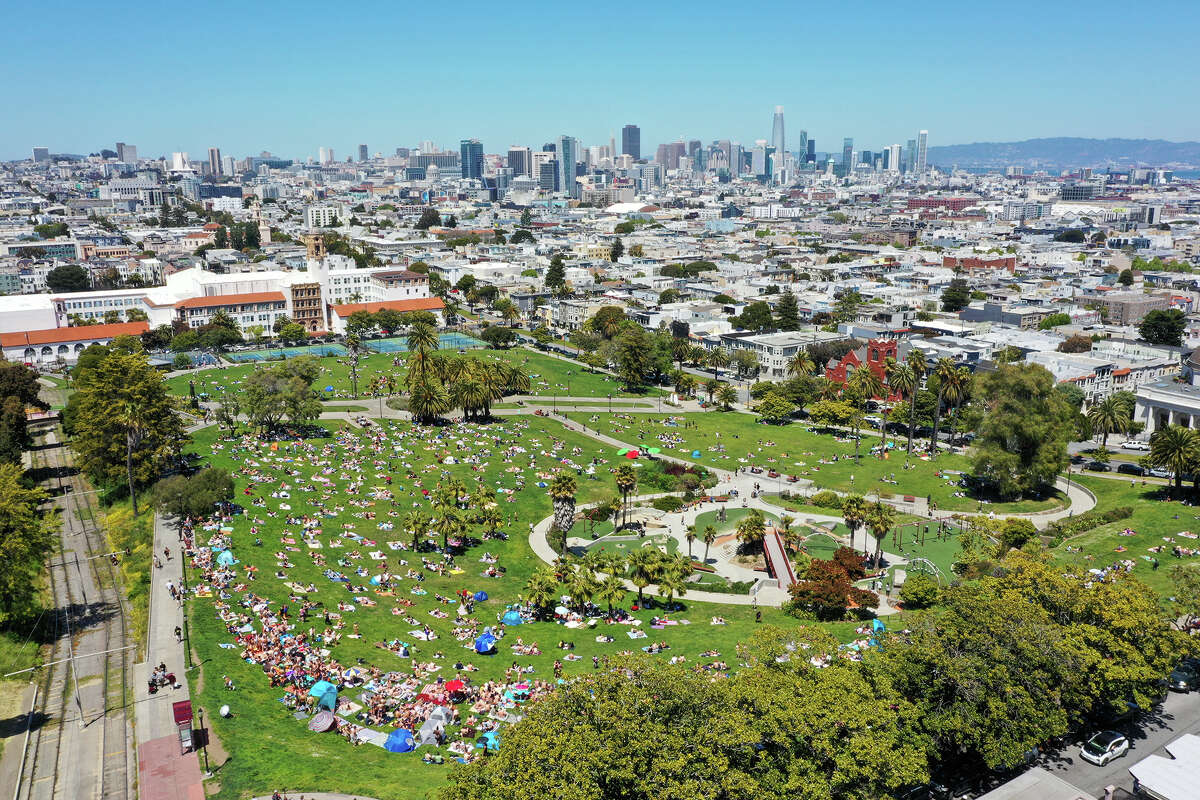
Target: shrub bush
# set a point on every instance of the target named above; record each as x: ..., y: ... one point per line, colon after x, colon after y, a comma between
x: 826, y: 499
x: 667, y: 503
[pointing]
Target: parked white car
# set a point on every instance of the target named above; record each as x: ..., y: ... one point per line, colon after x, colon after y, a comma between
x: 1104, y: 747
x: 1133, y: 444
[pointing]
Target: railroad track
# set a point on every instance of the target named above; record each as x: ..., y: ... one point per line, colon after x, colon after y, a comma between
x: 83, y: 746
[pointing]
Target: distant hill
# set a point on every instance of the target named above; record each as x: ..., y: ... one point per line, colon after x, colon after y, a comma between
x: 1064, y: 152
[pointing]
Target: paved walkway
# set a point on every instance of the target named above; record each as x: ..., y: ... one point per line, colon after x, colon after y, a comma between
x: 318, y: 796
x: 164, y: 772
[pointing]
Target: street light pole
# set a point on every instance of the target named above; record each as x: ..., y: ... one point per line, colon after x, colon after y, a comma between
x: 204, y: 741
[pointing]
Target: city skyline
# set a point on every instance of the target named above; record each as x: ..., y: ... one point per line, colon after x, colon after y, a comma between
x: 836, y: 81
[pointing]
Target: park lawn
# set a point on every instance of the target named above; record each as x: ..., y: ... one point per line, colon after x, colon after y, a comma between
x: 731, y: 440
x: 270, y: 749
x: 548, y: 376
x: 732, y: 517
x: 1155, y: 519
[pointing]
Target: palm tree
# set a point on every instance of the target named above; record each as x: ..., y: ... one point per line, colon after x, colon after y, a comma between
x: 516, y: 379
x: 417, y: 522
x: 1178, y: 449
x: 854, y: 513
x: 946, y: 373
x: 582, y: 586
x: 427, y: 397
x: 801, y: 365
x: 354, y: 351
x: 469, y: 395
x: 863, y: 385
x: 422, y: 338
x: 626, y: 479
x: 710, y: 536
x: 680, y: 350
x: 542, y: 588
x: 490, y: 518
x: 685, y: 384
x: 903, y: 379
x: 752, y: 529
x: 957, y: 391
x: 718, y: 359
x: 727, y: 396
x: 698, y: 355
x: 612, y: 591
x: 562, y: 495
x: 710, y: 387
x: 690, y: 535
x: 673, y: 578
x: 644, y: 567
x: 1110, y: 415
x: 784, y: 526
x: 880, y: 519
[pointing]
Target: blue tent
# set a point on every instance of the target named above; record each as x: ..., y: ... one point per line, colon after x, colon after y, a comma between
x: 485, y: 644
x: 512, y: 617
x: 480, y: 596
x: 877, y: 626
x: 326, y: 694
x: 489, y: 741
x: 329, y: 388
x: 400, y: 741
x: 695, y: 454
x: 225, y: 558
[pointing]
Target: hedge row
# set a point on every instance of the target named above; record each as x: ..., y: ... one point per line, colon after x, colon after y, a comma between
x: 1073, y: 526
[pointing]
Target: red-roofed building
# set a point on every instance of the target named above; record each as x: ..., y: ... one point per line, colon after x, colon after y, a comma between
x: 340, y: 313
x: 251, y: 310
x: 63, y: 344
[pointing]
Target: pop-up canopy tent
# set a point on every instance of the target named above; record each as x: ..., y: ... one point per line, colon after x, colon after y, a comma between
x: 486, y: 643
x: 326, y: 694
x: 225, y: 558
x: 400, y: 741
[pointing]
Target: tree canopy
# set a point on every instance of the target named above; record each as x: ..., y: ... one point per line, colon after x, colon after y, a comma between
x: 1163, y: 326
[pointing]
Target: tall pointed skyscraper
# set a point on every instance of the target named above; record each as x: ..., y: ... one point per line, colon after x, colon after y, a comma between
x: 922, y: 151
x: 778, y: 141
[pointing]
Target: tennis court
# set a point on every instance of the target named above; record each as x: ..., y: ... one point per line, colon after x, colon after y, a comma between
x: 447, y: 341
x: 318, y: 350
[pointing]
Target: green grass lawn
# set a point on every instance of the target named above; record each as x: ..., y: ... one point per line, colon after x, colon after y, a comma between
x: 549, y: 376
x: 270, y: 749
x: 1156, y: 522
x: 732, y: 440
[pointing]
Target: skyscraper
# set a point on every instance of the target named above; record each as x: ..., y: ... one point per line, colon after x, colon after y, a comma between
x: 631, y: 141
x: 910, y: 155
x: 847, y: 155
x: 803, y: 151
x: 362, y: 152
x: 41, y: 154
x: 214, y: 161
x: 126, y: 153
x: 471, y: 152
x: 325, y: 155
x: 811, y: 155
x: 778, y: 141
x: 922, y: 145
x: 519, y: 160
x: 567, y: 156
x: 893, y: 158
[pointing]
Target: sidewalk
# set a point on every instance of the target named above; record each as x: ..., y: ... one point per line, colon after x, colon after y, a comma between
x: 163, y: 772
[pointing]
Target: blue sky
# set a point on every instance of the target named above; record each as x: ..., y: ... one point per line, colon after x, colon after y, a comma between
x: 290, y: 77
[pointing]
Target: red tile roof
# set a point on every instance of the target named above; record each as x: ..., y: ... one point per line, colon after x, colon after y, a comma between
x: 218, y: 300
x: 420, y: 304
x: 81, y: 333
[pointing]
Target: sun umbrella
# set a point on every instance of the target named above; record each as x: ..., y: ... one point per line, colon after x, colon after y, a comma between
x: 455, y: 685
x: 322, y: 722
x: 329, y: 388
x: 632, y: 454
x: 623, y: 451
x: 653, y: 449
